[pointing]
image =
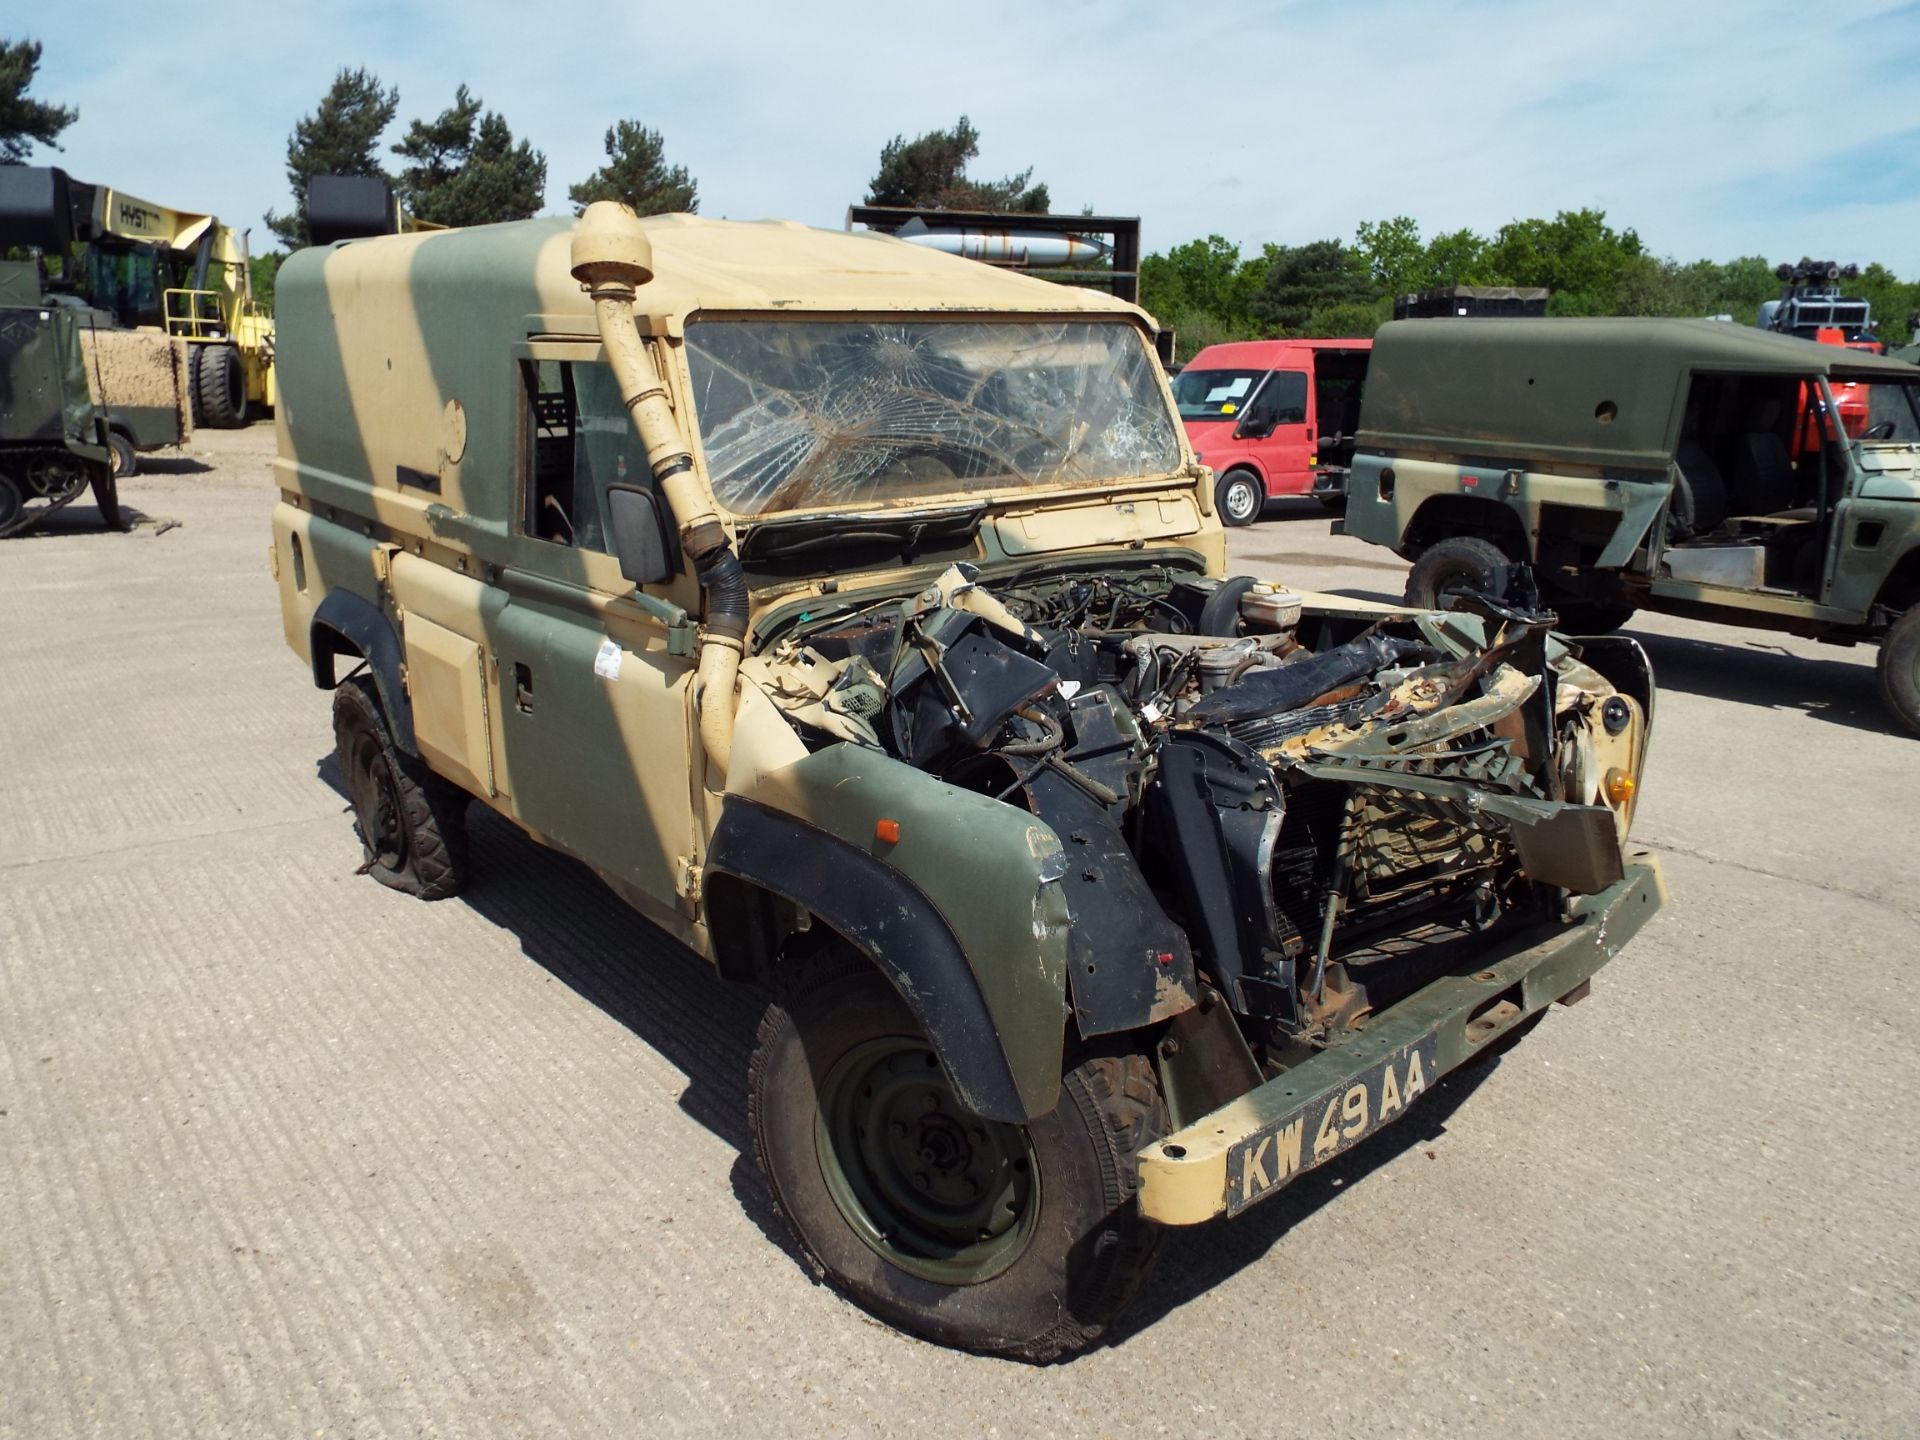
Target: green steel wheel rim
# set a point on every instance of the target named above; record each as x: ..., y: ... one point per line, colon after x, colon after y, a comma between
x: 924, y: 1182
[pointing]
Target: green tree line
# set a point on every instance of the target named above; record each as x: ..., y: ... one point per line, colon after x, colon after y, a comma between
x: 1210, y: 292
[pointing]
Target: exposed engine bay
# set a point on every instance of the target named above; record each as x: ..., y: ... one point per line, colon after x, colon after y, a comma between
x: 1308, y: 812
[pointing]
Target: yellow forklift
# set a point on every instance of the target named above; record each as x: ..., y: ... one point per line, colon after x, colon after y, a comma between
x: 186, y: 274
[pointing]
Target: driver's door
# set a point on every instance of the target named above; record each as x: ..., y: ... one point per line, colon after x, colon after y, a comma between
x: 595, y: 728
x: 1277, y: 426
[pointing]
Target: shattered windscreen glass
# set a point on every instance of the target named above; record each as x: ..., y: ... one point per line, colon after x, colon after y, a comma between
x: 797, y: 414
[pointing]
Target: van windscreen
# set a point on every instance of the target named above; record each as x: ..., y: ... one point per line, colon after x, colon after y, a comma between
x: 1214, y: 394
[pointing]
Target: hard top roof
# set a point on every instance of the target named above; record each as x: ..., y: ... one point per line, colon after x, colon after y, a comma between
x: 1603, y: 392
x: 1675, y: 345
x: 721, y: 265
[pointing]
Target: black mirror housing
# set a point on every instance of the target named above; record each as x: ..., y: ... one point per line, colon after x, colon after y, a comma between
x: 642, y: 541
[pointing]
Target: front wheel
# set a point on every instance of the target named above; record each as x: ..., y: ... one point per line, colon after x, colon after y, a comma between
x: 1900, y: 669
x: 1014, y: 1240
x: 1463, y: 565
x: 1240, y: 497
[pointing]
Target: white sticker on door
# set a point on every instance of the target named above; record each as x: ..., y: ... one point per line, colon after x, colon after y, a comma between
x: 606, y: 661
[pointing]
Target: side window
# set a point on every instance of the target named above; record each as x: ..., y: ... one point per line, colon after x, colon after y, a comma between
x: 1283, y: 399
x: 579, y: 441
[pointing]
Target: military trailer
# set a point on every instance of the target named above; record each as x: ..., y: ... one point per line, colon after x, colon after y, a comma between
x: 54, y: 442
x: 1689, y: 467
x: 858, y: 614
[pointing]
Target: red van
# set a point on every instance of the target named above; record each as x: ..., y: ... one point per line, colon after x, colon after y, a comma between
x: 1274, y: 417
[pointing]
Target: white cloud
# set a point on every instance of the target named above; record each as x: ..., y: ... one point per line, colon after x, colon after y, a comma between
x: 1705, y: 126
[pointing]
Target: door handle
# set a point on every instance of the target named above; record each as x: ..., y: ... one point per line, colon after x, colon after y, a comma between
x: 522, y: 688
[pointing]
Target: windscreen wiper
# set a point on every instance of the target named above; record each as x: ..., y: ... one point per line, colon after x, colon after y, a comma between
x: 907, y: 531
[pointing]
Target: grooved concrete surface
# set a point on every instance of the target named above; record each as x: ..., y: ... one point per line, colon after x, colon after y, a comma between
x: 283, y: 1154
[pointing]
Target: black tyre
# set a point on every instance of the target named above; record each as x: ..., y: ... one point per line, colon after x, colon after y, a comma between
x: 1014, y: 1240
x: 1240, y: 497
x: 1900, y: 669
x: 126, y: 460
x: 411, y: 823
x: 1592, y: 619
x: 13, y: 505
x: 1462, y: 565
x: 106, y: 495
x: 220, y: 387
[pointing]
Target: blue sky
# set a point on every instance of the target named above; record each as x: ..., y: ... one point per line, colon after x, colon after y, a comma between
x: 1715, y: 128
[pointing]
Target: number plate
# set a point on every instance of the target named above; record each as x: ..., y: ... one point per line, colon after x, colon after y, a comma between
x: 1330, y: 1122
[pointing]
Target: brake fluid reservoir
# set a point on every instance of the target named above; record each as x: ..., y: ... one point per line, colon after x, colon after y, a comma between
x: 1272, y: 607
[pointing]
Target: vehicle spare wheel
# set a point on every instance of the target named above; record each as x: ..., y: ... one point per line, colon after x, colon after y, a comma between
x: 1014, y: 1240
x: 219, y: 387
x: 1900, y: 669
x: 1463, y: 565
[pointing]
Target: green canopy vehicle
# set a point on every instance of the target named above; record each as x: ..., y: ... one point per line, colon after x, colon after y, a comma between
x: 1689, y: 467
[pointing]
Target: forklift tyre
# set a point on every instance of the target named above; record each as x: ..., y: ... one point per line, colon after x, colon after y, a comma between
x: 220, y: 386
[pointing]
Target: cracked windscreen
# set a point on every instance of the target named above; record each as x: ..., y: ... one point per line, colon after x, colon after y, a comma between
x: 799, y: 414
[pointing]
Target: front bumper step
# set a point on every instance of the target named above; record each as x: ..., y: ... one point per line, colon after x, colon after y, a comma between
x: 1249, y: 1148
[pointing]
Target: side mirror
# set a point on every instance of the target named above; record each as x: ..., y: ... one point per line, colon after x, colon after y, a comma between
x: 641, y: 540
x: 1254, y: 427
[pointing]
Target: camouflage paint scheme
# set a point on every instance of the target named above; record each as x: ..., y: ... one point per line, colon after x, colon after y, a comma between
x: 1464, y: 419
x: 535, y: 676
x: 439, y: 320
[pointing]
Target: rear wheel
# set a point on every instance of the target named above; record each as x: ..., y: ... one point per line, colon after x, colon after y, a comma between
x: 126, y: 461
x: 1900, y: 669
x: 411, y: 823
x: 1240, y: 497
x: 1462, y: 565
x: 1015, y: 1240
x: 220, y: 386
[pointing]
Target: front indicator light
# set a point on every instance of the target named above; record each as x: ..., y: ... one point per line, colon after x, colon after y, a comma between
x: 1619, y: 787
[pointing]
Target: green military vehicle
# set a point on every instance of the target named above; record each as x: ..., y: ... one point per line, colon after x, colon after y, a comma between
x: 857, y: 613
x: 54, y: 442
x: 1689, y: 467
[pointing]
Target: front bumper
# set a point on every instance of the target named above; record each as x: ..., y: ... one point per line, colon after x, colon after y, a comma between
x: 1225, y: 1161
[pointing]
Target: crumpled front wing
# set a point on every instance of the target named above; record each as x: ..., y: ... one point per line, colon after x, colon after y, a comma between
x: 1251, y: 1147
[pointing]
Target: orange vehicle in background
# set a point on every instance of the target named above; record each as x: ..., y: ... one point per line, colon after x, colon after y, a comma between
x: 1813, y: 308
x: 1272, y: 418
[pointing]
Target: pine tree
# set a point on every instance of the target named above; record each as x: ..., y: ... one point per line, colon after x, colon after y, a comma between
x: 930, y: 172
x: 341, y: 137
x: 23, y: 122
x: 637, y: 174
x: 466, y: 168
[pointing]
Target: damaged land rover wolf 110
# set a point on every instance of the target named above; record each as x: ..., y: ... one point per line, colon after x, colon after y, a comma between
x: 857, y: 613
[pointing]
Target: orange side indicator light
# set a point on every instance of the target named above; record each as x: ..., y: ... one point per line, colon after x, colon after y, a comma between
x: 887, y: 832
x: 1619, y: 786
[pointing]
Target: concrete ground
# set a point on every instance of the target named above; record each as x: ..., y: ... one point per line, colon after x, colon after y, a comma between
x: 283, y: 1153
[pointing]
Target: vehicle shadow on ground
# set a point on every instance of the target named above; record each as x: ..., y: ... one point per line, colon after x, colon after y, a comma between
x: 586, y: 937
x: 173, y: 465
x: 1194, y: 1261
x: 83, y: 518
x: 1758, y: 673
x: 583, y: 935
